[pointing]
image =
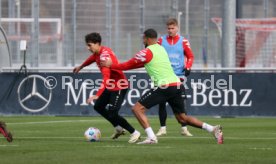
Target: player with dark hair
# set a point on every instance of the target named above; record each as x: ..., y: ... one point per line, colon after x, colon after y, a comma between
x: 168, y: 87
x: 113, y: 89
x: 4, y: 131
x: 181, y: 58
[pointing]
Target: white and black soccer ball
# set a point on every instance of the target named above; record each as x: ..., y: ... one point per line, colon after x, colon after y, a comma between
x: 92, y: 134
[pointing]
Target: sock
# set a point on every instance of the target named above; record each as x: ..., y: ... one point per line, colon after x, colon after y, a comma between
x: 184, y: 127
x: 208, y: 127
x: 150, y: 132
x: 163, y: 127
x: 135, y: 132
x: 118, y: 128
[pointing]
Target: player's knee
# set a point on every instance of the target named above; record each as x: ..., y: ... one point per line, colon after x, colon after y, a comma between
x: 113, y: 115
x: 137, y: 108
x: 114, y: 108
x: 181, y: 119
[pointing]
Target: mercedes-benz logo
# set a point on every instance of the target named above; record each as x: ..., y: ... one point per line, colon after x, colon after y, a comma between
x: 34, y: 99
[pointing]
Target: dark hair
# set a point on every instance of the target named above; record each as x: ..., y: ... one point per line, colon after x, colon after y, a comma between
x: 150, y: 33
x: 172, y: 21
x: 93, y: 38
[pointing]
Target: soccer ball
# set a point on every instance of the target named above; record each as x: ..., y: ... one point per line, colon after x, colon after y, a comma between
x: 92, y: 134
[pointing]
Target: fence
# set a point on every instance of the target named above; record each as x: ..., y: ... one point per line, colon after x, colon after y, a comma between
x: 121, y: 23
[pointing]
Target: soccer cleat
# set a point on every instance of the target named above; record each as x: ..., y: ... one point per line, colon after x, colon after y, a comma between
x: 5, y: 132
x: 149, y: 141
x: 134, y: 137
x: 161, y: 131
x: 218, y: 134
x: 118, y: 133
x: 185, y: 132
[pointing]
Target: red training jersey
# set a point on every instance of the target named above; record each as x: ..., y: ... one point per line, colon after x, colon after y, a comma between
x: 113, y: 80
x: 189, y: 56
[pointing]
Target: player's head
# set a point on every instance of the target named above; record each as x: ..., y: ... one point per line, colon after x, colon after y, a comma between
x: 150, y: 37
x: 172, y: 26
x: 93, y: 42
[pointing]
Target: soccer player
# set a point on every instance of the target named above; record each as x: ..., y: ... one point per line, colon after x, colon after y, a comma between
x: 4, y: 131
x: 179, y: 50
x: 113, y: 89
x: 168, y: 87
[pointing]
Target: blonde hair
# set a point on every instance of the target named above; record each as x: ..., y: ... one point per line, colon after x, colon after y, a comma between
x: 172, y: 21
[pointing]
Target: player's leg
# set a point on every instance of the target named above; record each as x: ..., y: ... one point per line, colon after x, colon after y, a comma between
x: 100, y: 107
x: 215, y: 130
x: 115, y: 103
x: 4, y: 131
x: 162, y: 118
x: 139, y: 112
x: 178, y: 108
x: 184, y: 130
x: 149, y: 99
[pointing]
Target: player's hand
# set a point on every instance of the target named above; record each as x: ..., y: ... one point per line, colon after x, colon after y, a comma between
x: 77, y: 69
x: 90, y: 99
x: 106, y: 63
x: 187, y: 71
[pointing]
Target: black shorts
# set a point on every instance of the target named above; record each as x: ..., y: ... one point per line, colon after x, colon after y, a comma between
x: 112, y: 99
x: 173, y: 95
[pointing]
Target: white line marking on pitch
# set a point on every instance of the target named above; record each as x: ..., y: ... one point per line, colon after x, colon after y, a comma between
x: 231, y: 138
x: 8, y: 145
x: 228, y: 138
x: 49, y: 138
x: 261, y: 148
x: 132, y: 146
x: 49, y: 122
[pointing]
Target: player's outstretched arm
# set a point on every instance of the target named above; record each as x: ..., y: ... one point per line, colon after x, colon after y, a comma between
x: 91, y: 59
x: 138, y: 61
x: 77, y: 69
x: 128, y: 65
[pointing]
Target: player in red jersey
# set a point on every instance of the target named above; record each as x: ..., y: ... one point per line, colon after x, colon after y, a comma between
x: 181, y: 58
x: 4, y: 131
x: 113, y: 89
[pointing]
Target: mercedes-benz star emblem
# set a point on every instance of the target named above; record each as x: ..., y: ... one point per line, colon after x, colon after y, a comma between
x: 33, y: 95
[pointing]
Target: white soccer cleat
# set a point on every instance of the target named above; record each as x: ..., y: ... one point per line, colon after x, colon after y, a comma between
x: 149, y: 141
x: 218, y: 134
x: 134, y: 137
x: 118, y: 133
x: 161, y: 131
x: 185, y: 132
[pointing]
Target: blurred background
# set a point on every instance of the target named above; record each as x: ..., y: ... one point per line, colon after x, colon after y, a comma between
x: 55, y: 29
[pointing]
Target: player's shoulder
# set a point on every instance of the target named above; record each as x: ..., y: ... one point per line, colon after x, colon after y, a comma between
x: 144, y: 52
x: 184, y: 39
x: 142, y: 55
x: 185, y: 42
x: 106, y: 50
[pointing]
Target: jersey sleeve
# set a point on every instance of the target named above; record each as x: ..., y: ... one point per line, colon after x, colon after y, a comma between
x: 91, y: 59
x: 159, y: 41
x: 188, y: 54
x: 138, y: 61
